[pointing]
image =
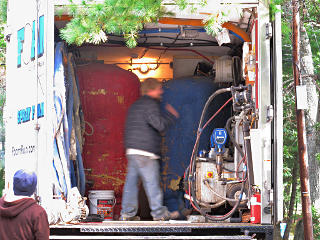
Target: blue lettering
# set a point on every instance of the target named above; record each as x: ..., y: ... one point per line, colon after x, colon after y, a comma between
x: 33, y: 111
x: 33, y: 42
x: 28, y: 111
x: 40, y: 110
x: 41, y: 36
x: 20, y: 45
x: 24, y: 115
x: 40, y: 43
x: 18, y: 117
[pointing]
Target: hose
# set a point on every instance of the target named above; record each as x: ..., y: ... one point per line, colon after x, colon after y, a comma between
x: 216, y: 218
x: 210, y: 99
x: 228, y: 124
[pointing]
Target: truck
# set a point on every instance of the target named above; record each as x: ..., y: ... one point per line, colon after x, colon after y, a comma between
x: 63, y: 100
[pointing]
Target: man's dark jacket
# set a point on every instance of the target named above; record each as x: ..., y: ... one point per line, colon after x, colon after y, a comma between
x: 23, y: 219
x: 145, y: 123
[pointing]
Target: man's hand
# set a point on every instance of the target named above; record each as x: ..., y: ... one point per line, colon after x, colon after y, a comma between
x: 171, y: 110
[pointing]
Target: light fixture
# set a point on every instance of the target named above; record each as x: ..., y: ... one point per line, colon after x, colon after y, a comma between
x: 144, y: 65
x: 144, y: 68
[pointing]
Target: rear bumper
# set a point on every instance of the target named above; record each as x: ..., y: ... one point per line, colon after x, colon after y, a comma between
x: 152, y: 230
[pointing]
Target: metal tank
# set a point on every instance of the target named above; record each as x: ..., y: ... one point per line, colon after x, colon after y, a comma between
x: 106, y: 93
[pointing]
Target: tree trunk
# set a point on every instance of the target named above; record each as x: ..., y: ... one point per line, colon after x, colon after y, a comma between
x: 299, y: 231
x: 292, y: 201
x: 312, y: 115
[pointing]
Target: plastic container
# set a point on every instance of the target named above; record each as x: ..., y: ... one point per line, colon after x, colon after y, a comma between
x: 102, y: 202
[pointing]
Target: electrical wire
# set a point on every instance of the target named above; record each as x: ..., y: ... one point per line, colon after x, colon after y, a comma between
x: 237, y: 170
x: 185, y: 50
x: 205, y: 125
x: 180, y: 39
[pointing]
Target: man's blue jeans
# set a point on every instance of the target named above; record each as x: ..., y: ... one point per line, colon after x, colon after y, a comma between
x: 149, y: 171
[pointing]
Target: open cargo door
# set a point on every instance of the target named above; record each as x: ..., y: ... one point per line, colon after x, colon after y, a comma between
x: 29, y: 95
x: 278, y: 118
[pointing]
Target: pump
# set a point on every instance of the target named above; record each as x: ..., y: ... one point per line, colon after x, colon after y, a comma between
x: 218, y: 141
x: 224, y: 179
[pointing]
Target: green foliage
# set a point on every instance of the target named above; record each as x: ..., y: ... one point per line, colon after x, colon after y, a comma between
x: 121, y: 17
x: 3, y: 20
x: 91, y: 21
x: 183, y: 4
x: 2, y: 182
x: 316, y: 223
x: 3, y: 11
x: 310, y: 16
x: 2, y: 46
x: 273, y: 7
x: 214, y: 23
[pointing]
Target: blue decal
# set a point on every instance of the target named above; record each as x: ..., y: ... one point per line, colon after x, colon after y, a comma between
x: 33, y: 111
x: 33, y: 44
x: 40, y: 43
x: 40, y: 110
x: 41, y: 36
x: 24, y: 115
x: 20, y: 43
x: 27, y: 114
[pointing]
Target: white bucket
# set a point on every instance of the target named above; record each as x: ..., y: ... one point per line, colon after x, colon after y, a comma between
x: 102, y: 202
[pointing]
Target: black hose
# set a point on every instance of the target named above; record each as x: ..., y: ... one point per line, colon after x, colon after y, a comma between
x: 228, y: 124
x: 205, y: 108
x: 210, y: 99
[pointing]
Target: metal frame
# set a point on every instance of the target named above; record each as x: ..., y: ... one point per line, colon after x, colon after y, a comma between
x: 152, y: 237
x: 278, y: 118
x: 264, y: 100
x: 183, y: 229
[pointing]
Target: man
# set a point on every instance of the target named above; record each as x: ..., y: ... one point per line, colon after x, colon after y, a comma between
x: 144, y: 126
x: 20, y: 215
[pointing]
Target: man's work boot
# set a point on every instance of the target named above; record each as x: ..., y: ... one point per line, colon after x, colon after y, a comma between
x: 134, y: 218
x: 165, y: 217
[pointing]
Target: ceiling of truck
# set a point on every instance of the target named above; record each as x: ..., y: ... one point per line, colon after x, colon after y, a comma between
x: 180, y: 36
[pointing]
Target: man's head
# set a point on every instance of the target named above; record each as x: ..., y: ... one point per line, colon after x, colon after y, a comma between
x: 24, y: 183
x: 151, y: 87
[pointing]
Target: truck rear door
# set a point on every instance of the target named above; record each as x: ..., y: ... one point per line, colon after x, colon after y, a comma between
x: 28, y: 101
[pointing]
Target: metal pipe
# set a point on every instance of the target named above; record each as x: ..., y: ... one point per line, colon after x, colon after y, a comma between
x: 302, y: 147
x: 257, y: 65
x: 232, y: 137
x: 220, y: 196
x: 219, y: 165
x: 128, y: 63
x: 247, y: 145
x: 185, y: 50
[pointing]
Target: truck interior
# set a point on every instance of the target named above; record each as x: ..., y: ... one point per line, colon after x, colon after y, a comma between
x: 207, y: 176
